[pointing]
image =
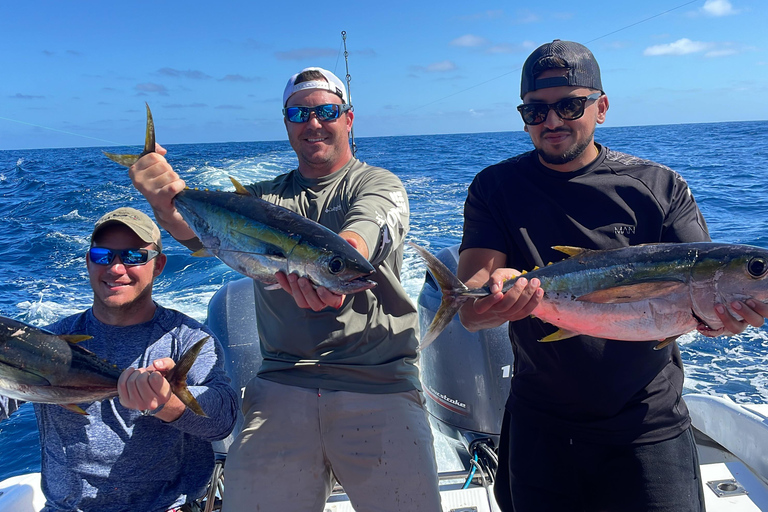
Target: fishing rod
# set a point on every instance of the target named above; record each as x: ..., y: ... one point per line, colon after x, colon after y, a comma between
x: 349, y: 89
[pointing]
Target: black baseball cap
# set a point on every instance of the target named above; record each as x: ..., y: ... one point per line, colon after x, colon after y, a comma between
x: 582, y: 67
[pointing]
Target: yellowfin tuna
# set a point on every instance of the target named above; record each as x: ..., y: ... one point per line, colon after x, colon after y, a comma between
x: 39, y: 366
x: 639, y: 293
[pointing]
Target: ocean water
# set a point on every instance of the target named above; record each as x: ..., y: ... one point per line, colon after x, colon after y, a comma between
x: 50, y: 199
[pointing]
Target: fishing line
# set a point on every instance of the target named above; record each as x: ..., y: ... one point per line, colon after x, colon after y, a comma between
x: 587, y: 42
x: 113, y: 143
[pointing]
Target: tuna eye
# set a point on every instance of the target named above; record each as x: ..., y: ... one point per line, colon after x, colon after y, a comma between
x: 336, y: 265
x: 757, y: 267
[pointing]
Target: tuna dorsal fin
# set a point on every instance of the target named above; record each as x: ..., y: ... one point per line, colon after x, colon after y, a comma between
x: 569, y: 249
x: 74, y: 338
x: 633, y: 292
x: 239, y: 188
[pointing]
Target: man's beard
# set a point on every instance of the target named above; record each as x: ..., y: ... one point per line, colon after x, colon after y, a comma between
x: 569, y: 155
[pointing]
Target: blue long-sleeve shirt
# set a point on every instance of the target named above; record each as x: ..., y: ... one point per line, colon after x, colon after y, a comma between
x: 114, y: 459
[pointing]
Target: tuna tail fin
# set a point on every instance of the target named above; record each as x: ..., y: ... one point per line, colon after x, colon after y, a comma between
x: 451, y: 286
x: 177, y: 377
x: 149, y: 144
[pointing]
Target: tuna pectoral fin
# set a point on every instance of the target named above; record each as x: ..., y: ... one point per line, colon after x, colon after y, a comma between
x: 177, y: 377
x: 22, y: 376
x: 634, y: 292
x: 560, y: 334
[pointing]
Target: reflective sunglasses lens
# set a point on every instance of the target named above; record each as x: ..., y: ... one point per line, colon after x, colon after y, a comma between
x: 297, y: 114
x: 134, y: 256
x: 570, y: 108
x: 534, y: 113
x: 101, y: 256
x: 328, y: 112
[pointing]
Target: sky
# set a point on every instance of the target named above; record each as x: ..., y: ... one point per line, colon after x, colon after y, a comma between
x: 76, y: 73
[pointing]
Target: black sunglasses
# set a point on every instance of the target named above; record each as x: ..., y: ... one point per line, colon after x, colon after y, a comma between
x: 569, y: 109
x: 327, y: 112
x: 129, y: 257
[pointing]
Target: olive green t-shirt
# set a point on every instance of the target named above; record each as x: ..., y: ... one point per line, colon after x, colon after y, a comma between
x: 369, y: 344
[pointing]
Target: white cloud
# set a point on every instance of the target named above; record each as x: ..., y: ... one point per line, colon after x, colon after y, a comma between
x: 718, y: 8
x: 511, y: 48
x: 469, y: 41
x: 680, y: 47
x: 442, y: 66
x: 724, y: 52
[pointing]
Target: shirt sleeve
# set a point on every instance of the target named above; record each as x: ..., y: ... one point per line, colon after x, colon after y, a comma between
x: 210, y: 385
x: 482, y: 229
x: 379, y: 213
x: 684, y: 221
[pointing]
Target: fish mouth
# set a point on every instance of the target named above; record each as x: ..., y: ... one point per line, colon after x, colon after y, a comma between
x: 359, y: 284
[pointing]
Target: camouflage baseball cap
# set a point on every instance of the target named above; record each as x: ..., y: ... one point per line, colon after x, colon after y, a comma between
x: 138, y: 222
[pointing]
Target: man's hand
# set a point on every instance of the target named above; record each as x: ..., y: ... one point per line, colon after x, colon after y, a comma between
x: 304, y: 292
x: 517, y: 303
x: 154, y: 177
x: 751, y: 311
x: 144, y: 389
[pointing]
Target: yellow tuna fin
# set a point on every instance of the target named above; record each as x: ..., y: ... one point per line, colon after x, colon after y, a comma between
x: 569, y: 249
x: 560, y: 334
x: 666, y: 342
x: 74, y: 338
x: 177, y: 377
x: 239, y: 188
x: 74, y: 408
x: 149, y: 145
x: 202, y: 253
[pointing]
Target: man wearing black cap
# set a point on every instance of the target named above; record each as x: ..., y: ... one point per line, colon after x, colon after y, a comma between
x: 591, y: 424
x: 143, y: 450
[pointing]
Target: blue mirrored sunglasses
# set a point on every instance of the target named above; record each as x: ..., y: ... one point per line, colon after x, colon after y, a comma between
x: 327, y: 112
x: 129, y: 257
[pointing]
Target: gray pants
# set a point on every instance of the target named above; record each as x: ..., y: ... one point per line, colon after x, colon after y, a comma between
x: 296, y: 440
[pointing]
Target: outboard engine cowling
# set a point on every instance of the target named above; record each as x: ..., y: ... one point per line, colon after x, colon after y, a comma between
x: 232, y: 318
x: 466, y: 375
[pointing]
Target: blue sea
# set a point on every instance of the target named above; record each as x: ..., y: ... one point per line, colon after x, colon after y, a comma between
x: 51, y: 198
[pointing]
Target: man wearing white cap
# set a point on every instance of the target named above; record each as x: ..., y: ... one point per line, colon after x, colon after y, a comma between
x: 143, y: 450
x: 338, y: 393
